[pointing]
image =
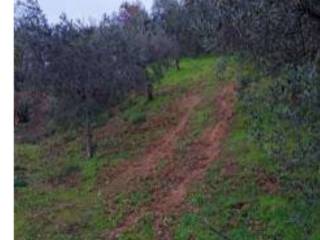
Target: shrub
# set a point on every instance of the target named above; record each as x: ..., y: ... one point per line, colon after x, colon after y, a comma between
x: 20, y: 182
x: 283, y: 117
x: 220, y: 68
x: 136, y: 117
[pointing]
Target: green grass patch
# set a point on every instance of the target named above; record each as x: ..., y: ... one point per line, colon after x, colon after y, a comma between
x: 192, y: 70
x: 233, y: 205
x: 236, y: 205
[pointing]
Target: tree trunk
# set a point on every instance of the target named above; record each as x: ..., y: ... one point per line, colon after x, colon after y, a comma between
x: 89, y: 151
x: 88, y: 137
x: 88, y: 130
x: 150, y: 92
x: 177, y: 61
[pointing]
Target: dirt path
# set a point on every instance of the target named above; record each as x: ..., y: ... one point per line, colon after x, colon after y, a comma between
x: 164, y: 148
x: 200, y: 155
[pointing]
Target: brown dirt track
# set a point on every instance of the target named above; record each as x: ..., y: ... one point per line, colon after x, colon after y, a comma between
x: 204, y: 151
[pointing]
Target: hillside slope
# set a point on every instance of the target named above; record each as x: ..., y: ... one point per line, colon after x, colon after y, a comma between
x: 180, y: 167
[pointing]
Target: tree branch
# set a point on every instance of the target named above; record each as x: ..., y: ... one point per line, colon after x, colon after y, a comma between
x: 308, y: 9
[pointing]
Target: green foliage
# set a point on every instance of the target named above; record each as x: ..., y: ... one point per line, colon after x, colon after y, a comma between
x: 27, y: 153
x: 20, y: 182
x: 136, y: 117
x: 234, y: 204
x: 283, y: 115
x: 275, y: 212
x: 27, y: 158
x: 136, y: 110
x: 81, y: 211
x: 220, y: 67
x: 192, y: 70
x: 280, y: 113
x: 103, y: 118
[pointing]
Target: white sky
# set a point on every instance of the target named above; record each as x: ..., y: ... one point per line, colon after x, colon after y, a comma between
x: 83, y: 9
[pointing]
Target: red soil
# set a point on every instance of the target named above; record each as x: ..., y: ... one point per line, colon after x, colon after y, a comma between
x: 161, y: 149
x: 170, y: 199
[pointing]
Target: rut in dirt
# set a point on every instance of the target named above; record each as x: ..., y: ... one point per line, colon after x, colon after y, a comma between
x: 161, y: 149
x: 200, y: 156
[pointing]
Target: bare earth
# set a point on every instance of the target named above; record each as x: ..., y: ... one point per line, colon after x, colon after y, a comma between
x: 204, y: 151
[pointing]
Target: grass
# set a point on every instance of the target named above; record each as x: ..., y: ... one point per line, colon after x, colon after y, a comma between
x: 143, y: 230
x: 235, y: 205
x: 81, y: 211
x: 192, y: 70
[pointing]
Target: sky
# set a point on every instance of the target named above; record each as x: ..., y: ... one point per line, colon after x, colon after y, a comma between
x: 82, y: 9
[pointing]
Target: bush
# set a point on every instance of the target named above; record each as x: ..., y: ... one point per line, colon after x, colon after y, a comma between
x: 136, y: 117
x: 220, y: 68
x: 20, y: 182
x: 283, y: 117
